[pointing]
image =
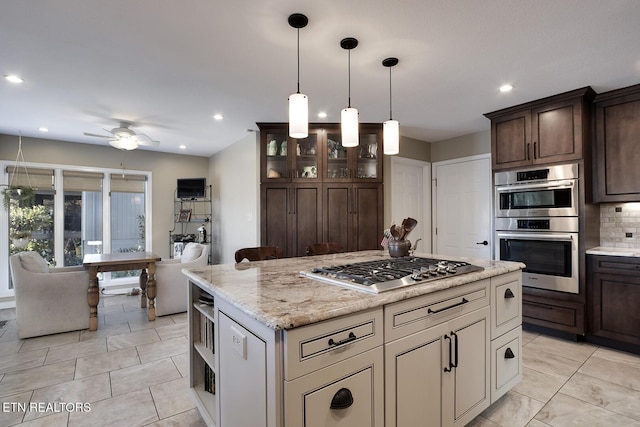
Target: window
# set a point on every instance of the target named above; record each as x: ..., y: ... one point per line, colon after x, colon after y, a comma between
x: 75, y: 212
x: 127, y: 217
x: 82, y: 215
x: 31, y: 215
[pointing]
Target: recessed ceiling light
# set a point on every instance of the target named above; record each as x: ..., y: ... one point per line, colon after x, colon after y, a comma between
x: 218, y: 116
x: 13, y: 78
x: 322, y: 115
x: 506, y: 88
x: 43, y: 129
x: 182, y: 147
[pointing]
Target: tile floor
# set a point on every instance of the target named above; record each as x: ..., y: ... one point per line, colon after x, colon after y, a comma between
x: 135, y: 373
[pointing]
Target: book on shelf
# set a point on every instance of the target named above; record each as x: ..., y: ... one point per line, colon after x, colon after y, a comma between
x: 206, y: 333
x: 209, y: 379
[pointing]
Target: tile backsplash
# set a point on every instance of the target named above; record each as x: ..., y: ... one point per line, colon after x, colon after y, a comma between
x: 620, y: 225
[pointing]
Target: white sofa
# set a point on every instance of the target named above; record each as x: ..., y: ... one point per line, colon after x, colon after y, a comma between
x: 171, y: 284
x: 48, y: 300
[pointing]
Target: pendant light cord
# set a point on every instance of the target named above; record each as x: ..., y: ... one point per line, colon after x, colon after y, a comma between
x: 349, y: 79
x: 298, y: 60
x: 390, y: 115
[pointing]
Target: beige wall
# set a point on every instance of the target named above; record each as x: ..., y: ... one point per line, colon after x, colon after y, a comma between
x: 165, y: 169
x: 463, y: 146
x: 235, y: 175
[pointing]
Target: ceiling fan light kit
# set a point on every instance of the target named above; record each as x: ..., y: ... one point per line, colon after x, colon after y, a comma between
x: 124, y: 138
x: 349, y: 115
x: 298, y: 102
x: 124, y: 143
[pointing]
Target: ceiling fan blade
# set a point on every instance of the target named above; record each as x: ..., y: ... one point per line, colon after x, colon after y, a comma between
x: 150, y: 143
x: 98, y: 136
x: 145, y: 140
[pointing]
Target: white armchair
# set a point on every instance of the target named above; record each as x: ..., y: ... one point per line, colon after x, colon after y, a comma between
x: 48, y: 300
x: 171, y: 284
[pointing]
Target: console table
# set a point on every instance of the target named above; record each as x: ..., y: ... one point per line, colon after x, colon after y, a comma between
x: 120, y: 262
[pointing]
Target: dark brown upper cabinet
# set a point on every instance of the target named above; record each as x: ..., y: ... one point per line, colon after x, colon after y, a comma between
x: 549, y: 130
x: 617, y: 145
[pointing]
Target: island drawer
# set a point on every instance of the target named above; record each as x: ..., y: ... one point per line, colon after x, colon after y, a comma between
x: 506, y: 360
x: 318, y: 345
x: 409, y: 316
x: 506, y: 303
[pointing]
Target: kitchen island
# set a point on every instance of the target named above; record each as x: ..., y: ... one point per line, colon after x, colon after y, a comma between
x: 299, y: 351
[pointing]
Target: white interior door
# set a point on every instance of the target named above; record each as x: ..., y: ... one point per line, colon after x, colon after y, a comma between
x: 411, y: 197
x: 462, y: 201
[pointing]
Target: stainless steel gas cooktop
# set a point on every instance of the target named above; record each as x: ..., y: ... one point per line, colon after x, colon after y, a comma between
x: 385, y: 275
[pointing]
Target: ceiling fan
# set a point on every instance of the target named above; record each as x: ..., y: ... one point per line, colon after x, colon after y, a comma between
x: 123, y: 138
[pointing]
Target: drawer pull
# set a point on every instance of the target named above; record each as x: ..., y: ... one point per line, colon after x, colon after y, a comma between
x: 509, y: 294
x: 342, y: 399
x: 538, y: 304
x: 352, y: 337
x: 464, y: 301
x: 509, y: 354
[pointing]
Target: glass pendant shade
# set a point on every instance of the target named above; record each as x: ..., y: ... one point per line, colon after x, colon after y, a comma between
x: 391, y: 137
x: 349, y: 127
x: 298, y: 115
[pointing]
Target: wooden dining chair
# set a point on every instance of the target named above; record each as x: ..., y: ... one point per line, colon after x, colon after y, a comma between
x: 259, y: 253
x: 324, y: 248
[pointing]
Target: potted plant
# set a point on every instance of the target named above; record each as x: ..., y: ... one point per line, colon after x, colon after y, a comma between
x: 20, y: 195
x: 20, y: 239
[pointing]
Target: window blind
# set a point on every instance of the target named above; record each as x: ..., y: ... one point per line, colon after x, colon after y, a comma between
x: 41, y: 179
x: 128, y: 183
x: 82, y: 181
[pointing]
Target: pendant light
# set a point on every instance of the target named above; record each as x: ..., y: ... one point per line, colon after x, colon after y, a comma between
x: 298, y: 102
x: 390, y: 128
x: 349, y: 116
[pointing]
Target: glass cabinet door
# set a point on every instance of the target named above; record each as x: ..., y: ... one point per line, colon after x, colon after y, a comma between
x: 337, y: 160
x: 306, y: 157
x: 367, y: 158
x: 276, y: 150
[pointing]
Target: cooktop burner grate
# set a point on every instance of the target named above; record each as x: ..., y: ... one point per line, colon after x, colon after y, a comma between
x: 383, y: 275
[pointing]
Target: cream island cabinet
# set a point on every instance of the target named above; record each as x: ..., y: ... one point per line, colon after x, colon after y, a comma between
x: 270, y: 348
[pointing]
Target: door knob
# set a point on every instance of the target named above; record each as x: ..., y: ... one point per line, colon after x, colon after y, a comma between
x: 484, y: 242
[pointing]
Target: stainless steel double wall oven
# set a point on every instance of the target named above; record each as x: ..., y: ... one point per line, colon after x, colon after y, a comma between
x: 537, y: 222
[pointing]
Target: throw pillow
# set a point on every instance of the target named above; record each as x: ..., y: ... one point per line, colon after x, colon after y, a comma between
x: 33, y: 262
x: 191, y: 252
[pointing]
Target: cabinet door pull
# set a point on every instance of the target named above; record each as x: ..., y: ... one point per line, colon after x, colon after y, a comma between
x: 455, y: 364
x: 448, y: 368
x: 293, y: 201
x: 509, y: 294
x: 352, y: 337
x: 342, y: 399
x: 535, y: 154
x: 541, y: 305
x: 464, y: 301
x: 528, y: 151
x: 508, y: 354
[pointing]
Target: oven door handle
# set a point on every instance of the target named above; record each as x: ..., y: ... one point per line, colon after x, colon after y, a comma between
x: 536, y: 236
x: 518, y: 187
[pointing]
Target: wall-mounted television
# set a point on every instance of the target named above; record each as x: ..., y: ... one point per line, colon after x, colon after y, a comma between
x: 191, y: 188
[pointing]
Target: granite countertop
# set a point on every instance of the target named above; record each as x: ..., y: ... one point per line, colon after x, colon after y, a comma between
x: 274, y: 293
x: 603, y: 250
